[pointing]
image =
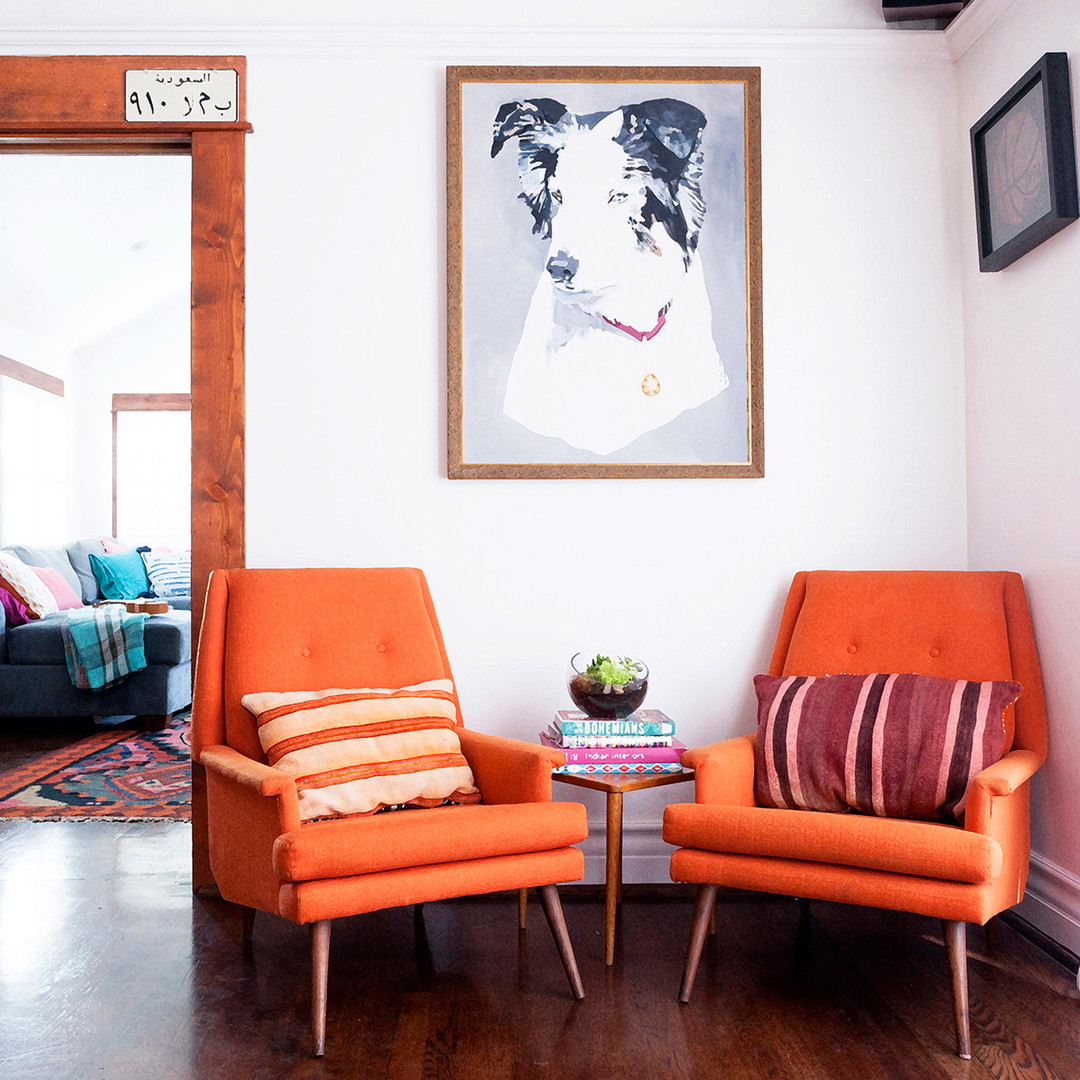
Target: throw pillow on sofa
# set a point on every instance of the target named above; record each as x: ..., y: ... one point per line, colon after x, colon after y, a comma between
x: 169, y: 572
x: 59, y: 587
x: 55, y: 556
x: 121, y: 576
x: 78, y: 553
x: 358, y: 751
x: 21, y: 581
x: 15, y: 613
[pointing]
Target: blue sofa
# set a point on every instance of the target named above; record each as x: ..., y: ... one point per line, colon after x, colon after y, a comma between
x: 34, y: 679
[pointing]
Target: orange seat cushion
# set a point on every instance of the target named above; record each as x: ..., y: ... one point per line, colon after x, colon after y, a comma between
x: 347, y: 847
x: 926, y: 849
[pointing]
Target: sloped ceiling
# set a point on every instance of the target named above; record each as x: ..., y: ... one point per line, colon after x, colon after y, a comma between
x: 90, y: 242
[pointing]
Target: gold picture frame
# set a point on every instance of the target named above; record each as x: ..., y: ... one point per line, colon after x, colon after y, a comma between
x: 612, y: 329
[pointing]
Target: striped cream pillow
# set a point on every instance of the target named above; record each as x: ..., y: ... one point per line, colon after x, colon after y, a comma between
x: 901, y: 746
x: 358, y: 751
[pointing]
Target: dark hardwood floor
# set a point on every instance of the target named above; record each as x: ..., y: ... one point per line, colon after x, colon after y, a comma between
x: 109, y: 968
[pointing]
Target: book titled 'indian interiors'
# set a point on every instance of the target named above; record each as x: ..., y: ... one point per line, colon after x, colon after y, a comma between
x: 643, y: 742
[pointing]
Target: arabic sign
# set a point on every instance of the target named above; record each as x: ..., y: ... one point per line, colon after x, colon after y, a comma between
x: 187, y: 95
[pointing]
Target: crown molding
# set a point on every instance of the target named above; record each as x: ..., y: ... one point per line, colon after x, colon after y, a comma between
x: 974, y: 21
x: 490, y: 44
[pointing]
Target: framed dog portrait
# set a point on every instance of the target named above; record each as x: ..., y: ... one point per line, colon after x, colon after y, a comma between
x: 604, y: 272
x: 1024, y: 163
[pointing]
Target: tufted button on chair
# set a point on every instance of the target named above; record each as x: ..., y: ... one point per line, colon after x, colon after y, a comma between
x: 958, y: 625
x: 317, y: 629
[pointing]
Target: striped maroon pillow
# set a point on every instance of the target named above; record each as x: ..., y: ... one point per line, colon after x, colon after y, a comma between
x: 902, y: 746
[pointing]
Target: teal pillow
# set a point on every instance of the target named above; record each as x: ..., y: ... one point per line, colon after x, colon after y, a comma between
x: 121, y: 576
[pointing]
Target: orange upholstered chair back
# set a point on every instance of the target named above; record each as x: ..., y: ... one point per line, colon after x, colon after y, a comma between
x: 954, y: 624
x: 308, y: 629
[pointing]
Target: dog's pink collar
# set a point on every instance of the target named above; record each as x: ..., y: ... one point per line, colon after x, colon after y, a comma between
x: 640, y: 335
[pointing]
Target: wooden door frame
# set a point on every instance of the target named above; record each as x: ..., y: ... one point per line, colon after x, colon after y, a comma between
x: 76, y: 104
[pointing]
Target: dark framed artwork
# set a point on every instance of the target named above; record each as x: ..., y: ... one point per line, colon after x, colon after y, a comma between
x: 1024, y: 162
x: 604, y: 272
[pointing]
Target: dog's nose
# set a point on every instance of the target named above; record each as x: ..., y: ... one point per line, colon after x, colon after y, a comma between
x: 562, y: 268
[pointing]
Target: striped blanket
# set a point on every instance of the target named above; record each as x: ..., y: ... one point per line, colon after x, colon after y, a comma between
x: 102, y: 645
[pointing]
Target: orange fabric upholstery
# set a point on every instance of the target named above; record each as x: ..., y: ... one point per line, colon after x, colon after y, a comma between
x: 338, y: 897
x: 950, y: 624
x: 953, y: 900
x: 314, y: 629
x: 352, y: 846
x: 902, y: 847
x: 953, y: 624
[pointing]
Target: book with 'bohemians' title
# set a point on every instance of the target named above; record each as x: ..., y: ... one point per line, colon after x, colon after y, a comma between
x: 644, y: 722
x: 563, y: 741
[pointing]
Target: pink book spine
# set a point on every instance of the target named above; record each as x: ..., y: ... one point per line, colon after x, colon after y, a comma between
x: 616, y: 755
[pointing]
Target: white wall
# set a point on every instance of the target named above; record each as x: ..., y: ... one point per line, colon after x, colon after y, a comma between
x: 864, y: 390
x: 148, y: 354
x: 1022, y: 329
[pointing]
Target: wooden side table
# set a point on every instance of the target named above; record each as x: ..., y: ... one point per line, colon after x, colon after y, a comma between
x: 615, y: 784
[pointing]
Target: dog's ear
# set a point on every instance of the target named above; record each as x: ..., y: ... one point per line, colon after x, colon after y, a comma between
x: 662, y: 139
x: 535, y: 124
x: 664, y: 133
x: 524, y: 118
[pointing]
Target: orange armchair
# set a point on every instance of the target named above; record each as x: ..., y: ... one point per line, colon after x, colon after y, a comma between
x: 959, y: 625
x: 316, y: 629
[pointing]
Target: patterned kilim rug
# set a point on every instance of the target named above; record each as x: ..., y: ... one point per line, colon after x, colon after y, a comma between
x: 118, y: 774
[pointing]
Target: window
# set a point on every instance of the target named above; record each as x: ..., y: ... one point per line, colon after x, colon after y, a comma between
x: 152, y: 469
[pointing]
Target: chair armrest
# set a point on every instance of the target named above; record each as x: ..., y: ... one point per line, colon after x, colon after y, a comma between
x: 246, y: 778
x: 997, y: 781
x: 509, y: 770
x: 723, y: 771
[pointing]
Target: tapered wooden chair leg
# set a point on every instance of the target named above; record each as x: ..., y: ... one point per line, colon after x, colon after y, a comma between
x: 956, y: 948
x: 320, y: 967
x: 247, y: 922
x: 552, y: 905
x: 706, y: 903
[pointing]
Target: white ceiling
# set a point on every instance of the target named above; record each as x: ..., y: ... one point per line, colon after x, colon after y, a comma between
x: 68, y: 225
x: 70, y: 15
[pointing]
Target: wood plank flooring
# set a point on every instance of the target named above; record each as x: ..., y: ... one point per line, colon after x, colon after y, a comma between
x: 110, y: 968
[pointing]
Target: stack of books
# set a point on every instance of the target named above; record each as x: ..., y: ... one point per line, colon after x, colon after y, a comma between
x: 643, y: 742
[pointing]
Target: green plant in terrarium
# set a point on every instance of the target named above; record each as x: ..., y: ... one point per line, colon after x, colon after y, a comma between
x: 617, y: 672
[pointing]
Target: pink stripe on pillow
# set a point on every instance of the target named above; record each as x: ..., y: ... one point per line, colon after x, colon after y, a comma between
x: 62, y: 592
x: 772, y: 773
x: 878, y: 749
x: 792, y: 740
x: 851, y: 750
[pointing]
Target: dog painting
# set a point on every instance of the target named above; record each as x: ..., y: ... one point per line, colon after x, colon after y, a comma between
x: 618, y: 337
x: 603, y: 272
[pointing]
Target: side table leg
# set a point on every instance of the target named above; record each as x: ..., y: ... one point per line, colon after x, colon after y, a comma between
x: 613, y: 883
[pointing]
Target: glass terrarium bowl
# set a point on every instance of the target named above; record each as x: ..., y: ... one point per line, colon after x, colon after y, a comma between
x: 605, y: 701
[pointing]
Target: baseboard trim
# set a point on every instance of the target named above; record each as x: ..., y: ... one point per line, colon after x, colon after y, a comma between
x: 1052, y: 903
x: 1051, y: 906
x: 646, y: 858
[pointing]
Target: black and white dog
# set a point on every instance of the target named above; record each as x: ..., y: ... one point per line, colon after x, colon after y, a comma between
x: 618, y: 338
